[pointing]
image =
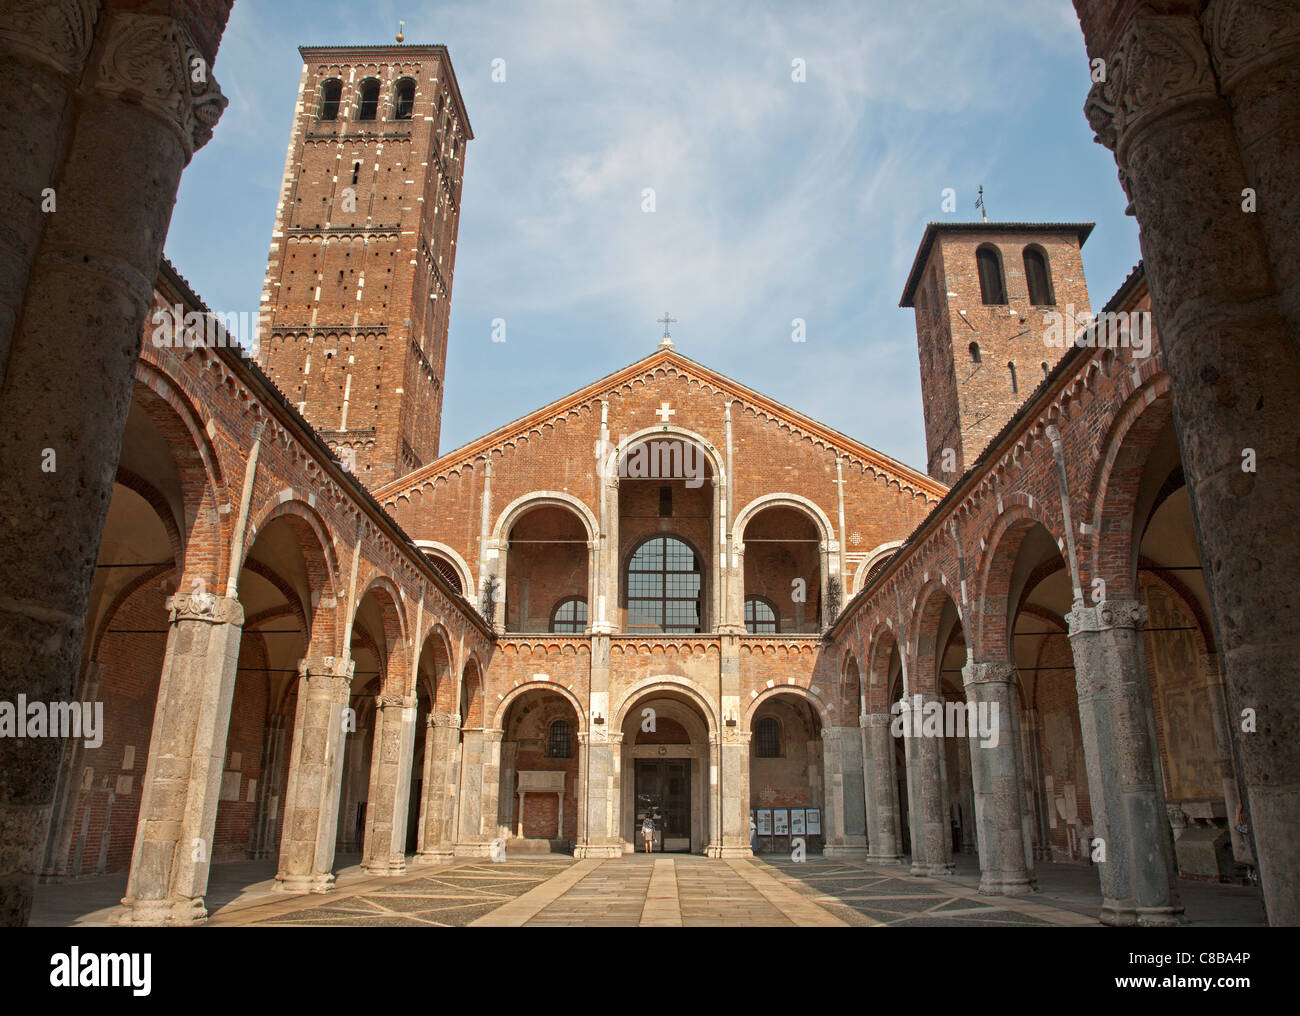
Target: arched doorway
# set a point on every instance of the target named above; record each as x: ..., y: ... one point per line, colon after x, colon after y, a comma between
x: 787, y: 773
x: 538, y: 810
x: 665, y: 772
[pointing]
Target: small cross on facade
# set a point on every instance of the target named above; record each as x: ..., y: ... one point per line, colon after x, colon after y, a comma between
x: 665, y: 411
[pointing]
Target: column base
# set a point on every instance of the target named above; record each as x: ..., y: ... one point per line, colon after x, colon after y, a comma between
x: 846, y: 851
x: 604, y: 851
x: 472, y: 850
x: 884, y: 858
x: 932, y: 870
x: 427, y: 857
x: 386, y: 868
x: 998, y: 884
x: 1125, y: 915
x: 723, y: 851
x: 317, y: 882
x: 163, y: 913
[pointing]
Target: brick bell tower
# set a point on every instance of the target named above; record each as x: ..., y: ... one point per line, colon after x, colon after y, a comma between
x: 355, y: 308
x: 981, y: 292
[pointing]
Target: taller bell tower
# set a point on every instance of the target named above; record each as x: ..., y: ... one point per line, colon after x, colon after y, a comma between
x: 355, y: 308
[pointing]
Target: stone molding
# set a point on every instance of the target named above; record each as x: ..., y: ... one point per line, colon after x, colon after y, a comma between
x: 55, y: 33
x: 449, y: 720
x: 148, y: 59
x: 204, y: 607
x: 1108, y: 614
x: 395, y: 702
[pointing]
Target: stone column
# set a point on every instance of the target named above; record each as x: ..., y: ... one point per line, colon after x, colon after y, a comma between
x: 1217, y: 701
x: 438, y: 804
x: 931, y: 828
x: 881, y: 790
x: 108, y: 124
x: 1226, y: 307
x: 1033, y: 774
x: 470, y: 841
x: 845, y: 795
x: 601, y: 811
x: 996, y: 776
x: 187, y: 752
x: 384, y: 851
x: 491, y: 782
x: 1137, y: 871
x: 311, y: 798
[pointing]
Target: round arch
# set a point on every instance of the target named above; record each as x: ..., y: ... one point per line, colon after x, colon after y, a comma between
x: 793, y: 690
x: 458, y: 563
x: 525, y: 503
x: 648, y: 686
x: 923, y: 641
x: 520, y: 690
x: 609, y: 466
x: 872, y: 558
x: 1006, y: 537
x: 783, y: 500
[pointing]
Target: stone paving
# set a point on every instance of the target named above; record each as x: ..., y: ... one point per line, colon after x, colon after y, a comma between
x: 677, y: 890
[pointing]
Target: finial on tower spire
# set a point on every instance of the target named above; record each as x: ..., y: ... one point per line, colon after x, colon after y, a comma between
x: 979, y: 203
x: 401, y: 36
x: 667, y: 341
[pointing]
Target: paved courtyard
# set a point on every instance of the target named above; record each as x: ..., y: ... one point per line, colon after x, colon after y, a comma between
x: 650, y: 891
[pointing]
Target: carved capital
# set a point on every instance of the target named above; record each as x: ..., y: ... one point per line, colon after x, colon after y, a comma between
x: 151, y: 60
x: 1160, y: 65
x: 994, y: 672
x: 394, y: 701
x: 55, y: 33
x: 205, y: 607
x: 1108, y: 614
x: 1247, y: 36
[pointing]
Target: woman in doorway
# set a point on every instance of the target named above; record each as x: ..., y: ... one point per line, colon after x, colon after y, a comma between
x: 648, y: 834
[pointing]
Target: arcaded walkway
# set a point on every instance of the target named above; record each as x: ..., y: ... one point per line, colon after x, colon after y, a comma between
x: 661, y: 890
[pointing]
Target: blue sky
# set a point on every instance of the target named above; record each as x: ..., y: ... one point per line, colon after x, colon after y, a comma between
x: 775, y: 200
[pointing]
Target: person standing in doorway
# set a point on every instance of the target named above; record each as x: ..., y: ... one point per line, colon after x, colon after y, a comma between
x: 648, y: 834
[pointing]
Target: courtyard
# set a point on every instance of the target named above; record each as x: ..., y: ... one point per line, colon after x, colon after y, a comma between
x: 658, y: 890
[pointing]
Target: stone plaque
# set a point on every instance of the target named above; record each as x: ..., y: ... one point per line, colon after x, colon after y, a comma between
x: 230, y: 786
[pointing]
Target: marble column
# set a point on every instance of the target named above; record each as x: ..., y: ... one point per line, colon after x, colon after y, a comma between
x: 187, y: 752
x: 881, y: 790
x: 470, y: 841
x: 602, y: 809
x: 384, y: 851
x: 997, y: 779
x: 845, y: 794
x: 67, y: 795
x: 1193, y: 125
x: 1138, y: 877
x: 101, y: 116
x: 931, y: 826
x: 438, y: 800
x: 1216, y: 699
x: 311, y: 798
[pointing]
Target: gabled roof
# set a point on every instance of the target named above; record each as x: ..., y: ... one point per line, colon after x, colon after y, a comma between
x: 933, y: 229
x: 662, y: 357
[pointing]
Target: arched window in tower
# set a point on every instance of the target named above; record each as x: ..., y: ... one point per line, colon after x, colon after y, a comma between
x: 767, y: 737
x: 664, y: 587
x: 1015, y: 387
x: 760, y: 616
x: 558, y: 743
x: 331, y: 92
x: 404, y: 99
x: 1038, y: 277
x: 368, y: 96
x: 974, y: 352
x: 569, y: 616
x: 993, y: 288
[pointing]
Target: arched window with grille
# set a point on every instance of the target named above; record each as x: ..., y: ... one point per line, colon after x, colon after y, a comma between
x: 558, y: 743
x: 331, y: 93
x: 446, y: 568
x: 1038, y: 278
x: 664, y: 587
x: 368, y: 99
x: 767, y: 738
x: 993, y: 287
x: 404, y: 99
x: 569, y: 616
x: 760, y: 616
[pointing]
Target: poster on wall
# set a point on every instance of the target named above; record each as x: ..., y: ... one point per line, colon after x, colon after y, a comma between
x: 764, y: 821
x: 814, y: 816
x: 796, y: 821
x: 781, y: 822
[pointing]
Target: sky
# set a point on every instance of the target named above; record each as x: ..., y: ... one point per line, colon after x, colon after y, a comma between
x: 774, y: 199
